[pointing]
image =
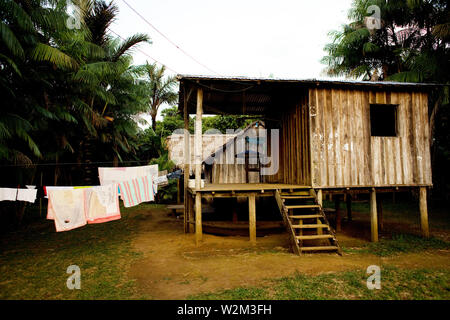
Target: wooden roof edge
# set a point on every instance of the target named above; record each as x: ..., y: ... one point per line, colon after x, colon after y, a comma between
x: 310, y: 82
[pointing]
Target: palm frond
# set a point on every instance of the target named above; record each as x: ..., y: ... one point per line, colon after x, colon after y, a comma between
x: 44, y: 52
x: 10, y: 41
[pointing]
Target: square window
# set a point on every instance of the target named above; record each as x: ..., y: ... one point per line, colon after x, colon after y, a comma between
x: 383, y: 120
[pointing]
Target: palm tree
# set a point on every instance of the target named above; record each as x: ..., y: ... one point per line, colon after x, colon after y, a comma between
x: 161, y: 89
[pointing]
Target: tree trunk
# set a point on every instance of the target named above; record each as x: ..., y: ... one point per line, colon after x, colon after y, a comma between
x: 153, y: 115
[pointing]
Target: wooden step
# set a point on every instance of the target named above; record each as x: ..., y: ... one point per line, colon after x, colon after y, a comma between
x: 306, y: 216
x: 296, y: 193
x: 315, y: 237
x: 310, y: 226
x: 296, y: 197
x: 325, y: 248
x: 303, y: 206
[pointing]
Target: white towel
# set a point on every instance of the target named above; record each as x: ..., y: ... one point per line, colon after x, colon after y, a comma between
x: 28, y: 195
x: 8, y: 194
x: 120, y: 174
x: 67, y: 207
x: 102, y: 204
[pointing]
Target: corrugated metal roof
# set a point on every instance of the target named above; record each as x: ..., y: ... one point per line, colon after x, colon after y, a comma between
x: 306, y: 81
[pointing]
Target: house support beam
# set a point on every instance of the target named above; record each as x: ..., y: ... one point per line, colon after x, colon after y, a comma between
x: 188, y: 227
x: 424, y: 212
x: 198, y: 218
x: 373, y: 216
x: 349, y: 207
x: 380, y: 213
x: 252, y: 217
x: 337, y: 207
x: 198, y: 166
x: 320, y: 197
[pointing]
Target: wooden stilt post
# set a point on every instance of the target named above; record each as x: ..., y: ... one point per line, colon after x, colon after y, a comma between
x: 319, y: 202
x: 373, y: 216
x: 252, y: 217
x: 198, y: 218
x: 198, y: 166
x: 424, y: 212
x: 198, y: 139
x: 178, y: 191
x: 337, y: 201
x: 380, y: 213
x: 191, y: 214
x: 187, y: 160
x: 320, y: 197
x: 349, y: 207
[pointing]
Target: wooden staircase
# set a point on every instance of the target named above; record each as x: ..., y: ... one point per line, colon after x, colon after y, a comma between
x: 306, y: 222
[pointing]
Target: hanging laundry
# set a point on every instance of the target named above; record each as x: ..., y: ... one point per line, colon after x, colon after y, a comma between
x: 67, y: 207
x: 8, y: 194
x: 174, y: 175
x: 119, y: 174
x: 46, y: 188
x: 136, y: 191
x: 28, y: 195
x: 161, y: 180
x: 102, y: 204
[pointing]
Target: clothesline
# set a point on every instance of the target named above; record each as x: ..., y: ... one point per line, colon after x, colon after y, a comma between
x: 72, y: 207
x: 70, y: 163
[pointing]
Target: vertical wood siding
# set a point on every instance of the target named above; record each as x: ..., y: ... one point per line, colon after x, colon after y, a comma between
x: 343, y: 152
x: 294, y: 153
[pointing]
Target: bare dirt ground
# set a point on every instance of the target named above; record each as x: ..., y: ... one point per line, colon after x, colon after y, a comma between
x: 173, y: 267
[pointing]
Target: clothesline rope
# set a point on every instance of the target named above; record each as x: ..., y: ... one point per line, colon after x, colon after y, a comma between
x: 71, y: 163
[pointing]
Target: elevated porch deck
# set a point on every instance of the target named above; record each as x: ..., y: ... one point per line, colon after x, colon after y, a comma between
x: 244, y: 189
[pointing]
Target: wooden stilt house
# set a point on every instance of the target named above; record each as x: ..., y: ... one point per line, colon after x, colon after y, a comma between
x: 339, y: 137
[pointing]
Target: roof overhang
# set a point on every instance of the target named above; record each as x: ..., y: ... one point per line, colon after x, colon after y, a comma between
x: 262, y: 96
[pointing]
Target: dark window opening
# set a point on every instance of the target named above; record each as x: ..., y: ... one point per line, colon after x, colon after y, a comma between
x: 383, y: 120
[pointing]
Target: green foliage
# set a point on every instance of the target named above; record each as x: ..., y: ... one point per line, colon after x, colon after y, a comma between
x: 69, y: 95
x: 401, y: 243
x: 226, y: 122
x: 411, y: 45
x: 159, y: 87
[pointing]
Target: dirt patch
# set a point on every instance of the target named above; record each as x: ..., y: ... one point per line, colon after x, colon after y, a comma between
x: 173, y: 267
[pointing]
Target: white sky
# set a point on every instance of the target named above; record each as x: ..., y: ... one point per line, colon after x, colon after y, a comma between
x: 279, y: 38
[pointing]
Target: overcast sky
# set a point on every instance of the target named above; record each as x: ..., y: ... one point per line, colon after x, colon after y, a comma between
x: 282, y: 38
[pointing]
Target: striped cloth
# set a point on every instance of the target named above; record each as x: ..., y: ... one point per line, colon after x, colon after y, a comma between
x: 136, y: 191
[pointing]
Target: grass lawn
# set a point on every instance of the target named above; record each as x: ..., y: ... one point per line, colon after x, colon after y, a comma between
x: 395, y: 284
x: 34, y: 260
x: 33, y: 263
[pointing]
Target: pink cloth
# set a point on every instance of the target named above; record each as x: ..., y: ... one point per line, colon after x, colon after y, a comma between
x: 102, y: 204
x: 136, y: 191
x: 73, y: 207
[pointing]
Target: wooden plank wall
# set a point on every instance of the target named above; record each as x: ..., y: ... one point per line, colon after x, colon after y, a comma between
x: 294, y: 158
x: 343, y: 152
x: 226, y: 168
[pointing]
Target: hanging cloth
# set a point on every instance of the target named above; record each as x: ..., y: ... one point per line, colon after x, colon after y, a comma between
x: 67, y: 207
x: 136, y: 191
x: 28, y: 195
x: 8, y: 194
x: 102, y: 204
x: 118, y: 174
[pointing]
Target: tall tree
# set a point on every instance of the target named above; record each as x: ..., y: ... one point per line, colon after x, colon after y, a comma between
x: 161, y: 88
